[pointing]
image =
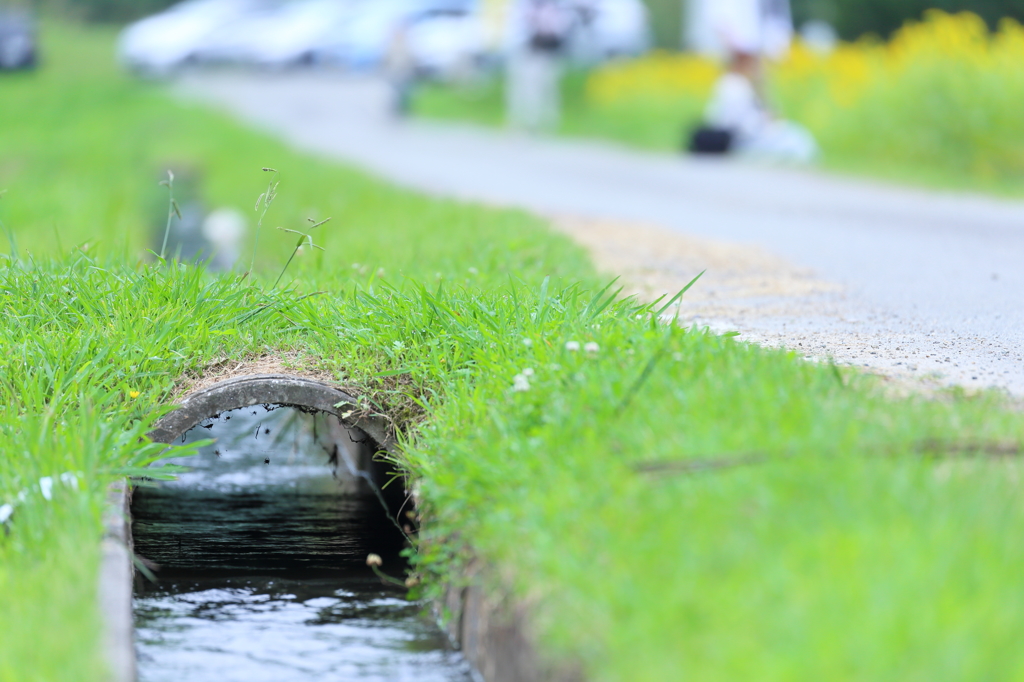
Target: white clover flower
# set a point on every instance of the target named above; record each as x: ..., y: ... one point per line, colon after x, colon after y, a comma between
x: 528, y: 372
x: 572, y: 346
x: 527, y: 342
x: 46, y: 487
x: 5, y: 512
x: 591, y: 347
x: 520, y: 383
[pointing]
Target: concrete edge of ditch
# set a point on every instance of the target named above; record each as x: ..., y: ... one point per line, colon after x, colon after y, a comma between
x: 491, y: 631
x: 494, y: 634
x: 115, y: 586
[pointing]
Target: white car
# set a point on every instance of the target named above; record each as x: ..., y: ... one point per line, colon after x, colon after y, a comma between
x: 368, y: 35
x: 445, y: 44
x: 159, y: 44
x: 282, y: 35
x: 621, y: 27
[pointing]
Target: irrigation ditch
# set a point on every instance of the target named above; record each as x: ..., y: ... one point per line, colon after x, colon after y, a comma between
x: 259, y: 553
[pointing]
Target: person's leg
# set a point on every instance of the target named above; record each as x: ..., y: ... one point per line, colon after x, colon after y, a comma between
x: 517, y: 89
x: 548, y: 89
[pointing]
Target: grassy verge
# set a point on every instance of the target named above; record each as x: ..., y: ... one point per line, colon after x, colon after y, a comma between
x: 563, y: 436
x: 653, y: 123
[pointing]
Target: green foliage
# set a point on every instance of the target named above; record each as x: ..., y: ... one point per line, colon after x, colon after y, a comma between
x: 100, y: 11
x: 649, y: 123
x: 854, y: 18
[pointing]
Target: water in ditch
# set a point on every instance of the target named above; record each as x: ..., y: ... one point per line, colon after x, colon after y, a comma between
x: 261, y: 568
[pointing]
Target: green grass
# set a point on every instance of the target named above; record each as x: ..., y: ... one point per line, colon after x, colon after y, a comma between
x: 848, y: 550
x: 655, y: 124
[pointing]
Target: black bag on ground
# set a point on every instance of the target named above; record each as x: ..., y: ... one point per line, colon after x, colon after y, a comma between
x: 707, y: 140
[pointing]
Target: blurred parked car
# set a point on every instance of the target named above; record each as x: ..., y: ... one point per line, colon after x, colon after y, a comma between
x: 17, y: 41
x: 368, y: 36
x: 278, y: 35
x: 619, y: 28
x: 441, y: 36
x: 445, y: 43
x: 159, y: 44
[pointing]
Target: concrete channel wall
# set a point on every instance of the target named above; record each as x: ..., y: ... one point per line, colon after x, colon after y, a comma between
x: 491, y: 631
x: 494, y: 634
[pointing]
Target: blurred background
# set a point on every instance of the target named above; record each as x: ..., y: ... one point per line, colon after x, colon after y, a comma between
x: 920, y: 91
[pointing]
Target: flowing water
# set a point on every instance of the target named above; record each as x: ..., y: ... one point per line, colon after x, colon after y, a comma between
x: 262, y: 574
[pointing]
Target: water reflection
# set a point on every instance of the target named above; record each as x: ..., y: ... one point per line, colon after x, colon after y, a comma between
x: 261, y: 554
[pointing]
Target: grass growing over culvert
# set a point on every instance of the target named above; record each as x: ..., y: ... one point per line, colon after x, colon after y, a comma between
x: 855, y: 543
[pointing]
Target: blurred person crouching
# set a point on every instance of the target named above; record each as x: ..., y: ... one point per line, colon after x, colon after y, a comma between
x: 738, y: 117
x: 539, y: 37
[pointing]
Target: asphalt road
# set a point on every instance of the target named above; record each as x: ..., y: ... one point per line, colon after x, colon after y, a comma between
x: 932, y: 283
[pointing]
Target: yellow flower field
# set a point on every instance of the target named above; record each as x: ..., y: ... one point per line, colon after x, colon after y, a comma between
x: 943, y: 100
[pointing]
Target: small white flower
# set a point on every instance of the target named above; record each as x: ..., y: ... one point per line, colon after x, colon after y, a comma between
x: 46, y: 487
x: 591, y: 347
x: 520, y: 383
x: 572, y: 346
x: 528, y: 372
x: 527, y: 342
x: 5, y: 512
x: 69, y: 479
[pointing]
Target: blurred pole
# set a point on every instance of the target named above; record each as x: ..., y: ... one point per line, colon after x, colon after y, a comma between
x: 494, y: 16
x: 698, y: 34
x: 667, y: 23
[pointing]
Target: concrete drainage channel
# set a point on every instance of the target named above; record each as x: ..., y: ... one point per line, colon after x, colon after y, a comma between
x: 259, y: 553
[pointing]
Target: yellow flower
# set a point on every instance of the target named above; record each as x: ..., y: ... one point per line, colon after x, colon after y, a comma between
x: 133, y: 394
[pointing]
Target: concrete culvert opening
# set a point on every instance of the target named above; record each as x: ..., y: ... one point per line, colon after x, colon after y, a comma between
x: 259, y: 547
